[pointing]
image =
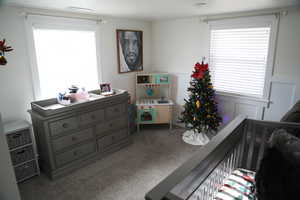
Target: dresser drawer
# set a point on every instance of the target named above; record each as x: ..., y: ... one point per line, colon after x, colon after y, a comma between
x: 75, y: 138
x: 74, y: 154
x: 103, y: 128
x: 107, y: 141
x: 63, y: 125
x: 115, y: 111
x: 95, y: 116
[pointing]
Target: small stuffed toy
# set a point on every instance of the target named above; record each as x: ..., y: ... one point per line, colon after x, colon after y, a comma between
x: 3, y: 49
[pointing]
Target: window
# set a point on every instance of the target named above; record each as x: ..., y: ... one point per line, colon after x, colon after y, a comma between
x: 240, y: 58
x: 64, y: 56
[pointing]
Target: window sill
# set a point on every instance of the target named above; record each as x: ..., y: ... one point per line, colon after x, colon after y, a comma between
x: 242, y: 97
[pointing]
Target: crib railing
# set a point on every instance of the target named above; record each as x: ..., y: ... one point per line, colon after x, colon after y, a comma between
x: 240, y: 144
x: 209, y: 187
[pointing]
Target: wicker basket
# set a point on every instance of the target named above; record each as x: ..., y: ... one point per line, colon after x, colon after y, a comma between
x: 21, y: 155
x: 19, y: 138
x: 26, y: 170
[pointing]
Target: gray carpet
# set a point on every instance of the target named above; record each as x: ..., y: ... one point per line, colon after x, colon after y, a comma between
x: 125, y: 175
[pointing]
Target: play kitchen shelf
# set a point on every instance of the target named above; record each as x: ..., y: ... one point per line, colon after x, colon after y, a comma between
x: 153, y: 99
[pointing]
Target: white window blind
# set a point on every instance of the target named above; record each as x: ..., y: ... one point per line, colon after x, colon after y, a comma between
x: 239, y: 59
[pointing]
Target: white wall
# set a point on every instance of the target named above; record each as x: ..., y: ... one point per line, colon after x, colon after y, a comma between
x: 178, y: 44
x: 287, y: 58
x: 15, y: 80
x: 16, y: 91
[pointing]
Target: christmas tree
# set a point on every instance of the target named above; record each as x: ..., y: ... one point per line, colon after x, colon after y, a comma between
x: 200, y: 110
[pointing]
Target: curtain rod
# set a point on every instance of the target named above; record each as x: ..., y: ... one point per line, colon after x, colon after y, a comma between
x: 98, y: 20
x: 277, y: 13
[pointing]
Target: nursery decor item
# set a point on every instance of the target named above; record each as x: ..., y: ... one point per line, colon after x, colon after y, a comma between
x: 3, y: 48
x: 153, y: 99
x: 105, y: 89
x: 130, y: 50
x: 200, y: 113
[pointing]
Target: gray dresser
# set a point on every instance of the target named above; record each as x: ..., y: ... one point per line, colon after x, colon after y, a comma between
x: 69, y: 137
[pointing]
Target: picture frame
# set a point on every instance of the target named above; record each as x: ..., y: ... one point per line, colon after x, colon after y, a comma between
x: 105, y: 88
x: 129, y: 50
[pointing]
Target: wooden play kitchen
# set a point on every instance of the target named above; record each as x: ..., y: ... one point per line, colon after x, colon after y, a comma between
x: 153, y: 99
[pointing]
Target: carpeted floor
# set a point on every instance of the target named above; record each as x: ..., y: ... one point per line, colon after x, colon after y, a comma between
x: 125, y: 175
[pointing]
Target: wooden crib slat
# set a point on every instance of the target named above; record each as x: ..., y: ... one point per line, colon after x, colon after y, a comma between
x: 262, y: 146
x: 251, y: 132
x: 243, y: 147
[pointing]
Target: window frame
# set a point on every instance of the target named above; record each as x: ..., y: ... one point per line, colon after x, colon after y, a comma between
x: 58, y: 23
x: 271, y: 21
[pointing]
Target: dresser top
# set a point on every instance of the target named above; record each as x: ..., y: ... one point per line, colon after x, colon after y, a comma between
x: 15, y: 126
x: 50, y: 107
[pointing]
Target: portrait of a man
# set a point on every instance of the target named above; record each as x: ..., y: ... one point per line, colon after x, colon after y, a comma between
x: 130, y: 50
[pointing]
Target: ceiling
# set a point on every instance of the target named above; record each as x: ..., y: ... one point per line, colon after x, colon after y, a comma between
x: 154, y: 9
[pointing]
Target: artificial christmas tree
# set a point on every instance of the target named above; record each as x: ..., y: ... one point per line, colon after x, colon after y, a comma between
x: 200, y: 113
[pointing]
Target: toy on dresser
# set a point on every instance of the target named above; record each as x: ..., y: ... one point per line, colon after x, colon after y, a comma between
x: 154, y: 105
x: 74, y: 95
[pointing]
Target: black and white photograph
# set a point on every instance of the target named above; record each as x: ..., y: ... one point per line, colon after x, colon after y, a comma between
x: 130, y: 50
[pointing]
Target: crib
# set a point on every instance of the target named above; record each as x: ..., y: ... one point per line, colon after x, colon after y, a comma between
x: 241, y: 144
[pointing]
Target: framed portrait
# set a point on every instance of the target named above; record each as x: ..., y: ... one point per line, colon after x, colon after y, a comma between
x: 130, y: 50
x: 105, y: 87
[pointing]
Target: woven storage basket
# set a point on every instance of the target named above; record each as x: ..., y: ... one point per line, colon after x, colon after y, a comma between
x: 26, y: 170
x: 19, y: 138
x: 21, y: 155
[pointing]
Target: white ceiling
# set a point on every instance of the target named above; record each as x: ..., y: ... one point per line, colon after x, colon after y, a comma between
x: 155, y: 9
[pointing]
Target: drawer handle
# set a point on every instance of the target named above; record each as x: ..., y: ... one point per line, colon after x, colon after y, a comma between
x: 74, y: 138
x: 65, y: 125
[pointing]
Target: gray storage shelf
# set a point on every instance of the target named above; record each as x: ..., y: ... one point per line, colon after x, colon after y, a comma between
x: 21, y: 144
